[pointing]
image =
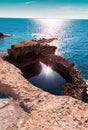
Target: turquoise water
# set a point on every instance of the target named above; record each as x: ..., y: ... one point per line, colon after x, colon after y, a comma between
x: 72, y: 37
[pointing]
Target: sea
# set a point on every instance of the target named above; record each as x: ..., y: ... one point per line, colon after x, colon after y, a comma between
x: 72, y: 44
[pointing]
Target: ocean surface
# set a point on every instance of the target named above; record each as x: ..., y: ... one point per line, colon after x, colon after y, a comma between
x: 72, y: 37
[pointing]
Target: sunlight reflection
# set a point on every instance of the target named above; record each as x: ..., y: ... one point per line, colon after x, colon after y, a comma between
x: 50, y: 28
x: 46, y: 70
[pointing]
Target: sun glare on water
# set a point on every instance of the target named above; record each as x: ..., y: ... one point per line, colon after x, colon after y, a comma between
x: 49, y: 28
x: 52, y: 28
x: 51, y: 22
x: 48, y: 71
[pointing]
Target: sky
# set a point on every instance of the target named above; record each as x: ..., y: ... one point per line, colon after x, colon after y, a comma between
x: 73, y: 9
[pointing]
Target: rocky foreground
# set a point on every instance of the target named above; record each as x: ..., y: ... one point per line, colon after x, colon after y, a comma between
x: 45, y: 111
x: 26, y: 107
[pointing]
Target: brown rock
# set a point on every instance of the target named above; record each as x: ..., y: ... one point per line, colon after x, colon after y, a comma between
x: 58, y: 113
x: 32, y: 52
x: 58, y: 64
x: 43, y: 40
x: 31, y: 70
x: 46, y: 111
x: 29, y: 52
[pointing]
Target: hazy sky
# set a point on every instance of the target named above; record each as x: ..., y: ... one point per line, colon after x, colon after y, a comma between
x: 46, y: 1
x: 44, y: 8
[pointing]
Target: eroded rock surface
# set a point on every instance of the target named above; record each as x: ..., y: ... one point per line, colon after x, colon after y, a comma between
x: 28, y: 52
x: 58, y: 113
x: 46, y: 111
x: 12, y: 117
x: 32, y: 51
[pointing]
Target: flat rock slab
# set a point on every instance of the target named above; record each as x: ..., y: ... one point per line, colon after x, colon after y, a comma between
x: 61, y: 113
x: 12, y: 117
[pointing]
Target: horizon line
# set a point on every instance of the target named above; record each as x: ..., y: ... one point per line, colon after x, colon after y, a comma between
x: 44, y: 18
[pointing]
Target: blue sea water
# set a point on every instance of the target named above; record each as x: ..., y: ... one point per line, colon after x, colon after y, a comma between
x: 72, y: 37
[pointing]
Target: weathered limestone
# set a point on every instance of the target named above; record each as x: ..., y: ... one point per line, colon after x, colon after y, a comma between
x: 12, y: 83
x: 31, y: 70
x: 12, y: 117
x: 46, y: 111
x: 76, y: 85
x: 58, y: 113
x: 32, y: 51
x: 58, y: 63
x: 28, y: 52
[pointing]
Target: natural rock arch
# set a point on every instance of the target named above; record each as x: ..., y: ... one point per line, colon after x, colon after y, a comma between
x: 28, y: 52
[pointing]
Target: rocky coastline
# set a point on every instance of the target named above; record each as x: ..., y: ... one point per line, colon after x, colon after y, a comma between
x: 41, y: 110
x: 29, y: 52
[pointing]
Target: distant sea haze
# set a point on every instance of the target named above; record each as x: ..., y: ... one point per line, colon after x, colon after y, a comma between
x: 72, y: 37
